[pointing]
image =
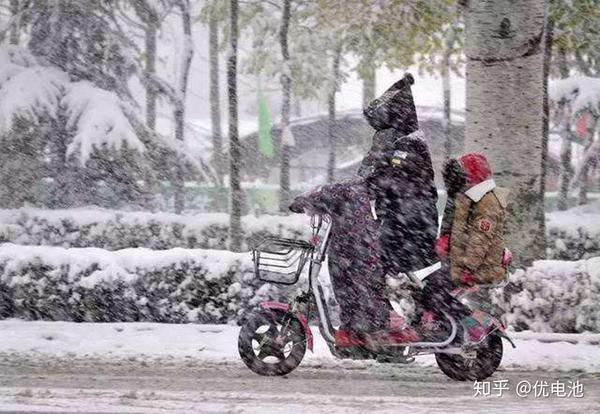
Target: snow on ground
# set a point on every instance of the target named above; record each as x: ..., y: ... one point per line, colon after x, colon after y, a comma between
x: 218, y: 344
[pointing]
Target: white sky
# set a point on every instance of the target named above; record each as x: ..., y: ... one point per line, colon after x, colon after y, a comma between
x: 427, y: 90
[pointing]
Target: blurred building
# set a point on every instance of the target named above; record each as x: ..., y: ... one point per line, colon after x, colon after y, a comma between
x: 352, y: 137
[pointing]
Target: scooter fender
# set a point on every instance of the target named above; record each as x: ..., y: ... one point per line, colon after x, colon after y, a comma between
x: 499, y: 327
x: 284, y: 307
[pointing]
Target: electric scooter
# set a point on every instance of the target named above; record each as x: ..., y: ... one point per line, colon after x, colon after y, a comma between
x: 273, y: 339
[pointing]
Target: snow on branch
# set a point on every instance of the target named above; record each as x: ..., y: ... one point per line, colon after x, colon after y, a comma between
x: 31, y: 93
x: 27, y: 89
x: 97, y: 116
x: 12, y: 60
x: 580, y: 92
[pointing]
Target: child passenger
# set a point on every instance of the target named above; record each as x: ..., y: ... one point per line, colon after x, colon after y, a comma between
x: 472, y: 234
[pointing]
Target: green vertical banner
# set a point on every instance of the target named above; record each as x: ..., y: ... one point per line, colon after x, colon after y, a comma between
x: 265, y: 143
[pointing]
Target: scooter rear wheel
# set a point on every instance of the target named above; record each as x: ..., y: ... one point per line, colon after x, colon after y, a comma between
x: 486, y: 362
x: 272, y: 342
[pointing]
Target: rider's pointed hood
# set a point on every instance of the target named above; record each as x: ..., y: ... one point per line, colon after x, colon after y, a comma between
x: 395, y: 108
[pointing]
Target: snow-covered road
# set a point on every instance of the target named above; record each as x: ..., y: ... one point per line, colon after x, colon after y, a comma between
x: 165, y: 368
x: 170, y: 385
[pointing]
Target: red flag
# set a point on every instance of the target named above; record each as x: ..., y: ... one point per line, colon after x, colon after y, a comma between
x: 582, y: 126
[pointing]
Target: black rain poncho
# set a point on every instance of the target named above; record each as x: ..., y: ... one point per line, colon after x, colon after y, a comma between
x: 400, y: 178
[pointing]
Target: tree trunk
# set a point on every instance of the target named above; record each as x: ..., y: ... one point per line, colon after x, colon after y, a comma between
x: 15, y: 26
x: 151, y: 94
x: 335, y: 74
x: 583, y: 175
x: 563, y: 67
x: 445, y: 72
x: 65, y: 178
x: 590, y: 165
x: 548, y: 38
x: 504, y: 49
x: 220, y: 196
x: 152, y: 25
x: 583, y: 185
x: 369, y: 79
x: 297, y: 107
x: 566, y: 171
x: 179, y: 174
x: 149, y: 17
x: 179, y: 112
x: 565, y: 168
x: 65, y: 193
x: 286, y: 84
x: 583, y: 67
x: 215, y: 104
x: 235, y: 209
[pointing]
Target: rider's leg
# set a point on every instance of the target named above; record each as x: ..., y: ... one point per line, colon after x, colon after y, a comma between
x: 436, y: 295
x: 361, y: 294
x: 343, y: 294
x: 375, y: 304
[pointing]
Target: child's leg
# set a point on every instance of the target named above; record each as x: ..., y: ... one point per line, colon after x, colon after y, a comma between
x: 436, y: 294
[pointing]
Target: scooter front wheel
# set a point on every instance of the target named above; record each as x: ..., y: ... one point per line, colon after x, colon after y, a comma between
x: 488, y: 356
x: 272, y: 342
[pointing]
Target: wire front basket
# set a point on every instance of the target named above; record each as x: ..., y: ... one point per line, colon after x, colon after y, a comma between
x: 281, y: 261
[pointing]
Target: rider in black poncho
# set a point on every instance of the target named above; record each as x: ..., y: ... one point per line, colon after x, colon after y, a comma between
x: 400, y: 178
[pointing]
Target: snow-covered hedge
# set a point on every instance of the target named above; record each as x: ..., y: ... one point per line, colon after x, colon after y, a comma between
x: 211, y: 286
x: 89, y: 284
x: 115, y: 230
x: 574, y: 234
x: 556, y: 296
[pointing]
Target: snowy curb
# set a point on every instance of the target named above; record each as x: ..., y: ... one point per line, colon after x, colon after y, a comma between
x: 583, y: 338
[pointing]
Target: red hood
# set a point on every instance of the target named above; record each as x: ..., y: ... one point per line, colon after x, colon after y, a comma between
x: 476, y: 168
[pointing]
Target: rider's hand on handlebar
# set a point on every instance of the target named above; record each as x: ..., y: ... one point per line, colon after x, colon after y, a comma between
x: 296, y: 207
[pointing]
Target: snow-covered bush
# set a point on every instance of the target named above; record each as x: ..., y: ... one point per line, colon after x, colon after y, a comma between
x: 574, y: 234
x: 556, y: 296
x: 95, y: 285
x: 212, y: 286
x: 114, y: 230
